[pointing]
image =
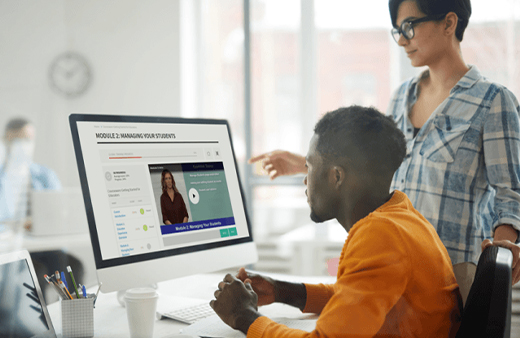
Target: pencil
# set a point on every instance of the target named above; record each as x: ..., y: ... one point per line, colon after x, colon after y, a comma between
x: 73, y: 281
x: 60, y: 292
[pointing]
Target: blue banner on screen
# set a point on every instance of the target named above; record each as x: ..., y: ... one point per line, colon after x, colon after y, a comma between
x: 199, y: 225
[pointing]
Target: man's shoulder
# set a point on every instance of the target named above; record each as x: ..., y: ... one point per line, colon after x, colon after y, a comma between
x: 398, y: 223
x: 44, y: 177
x: 385, y: 225
x: 40, y: 170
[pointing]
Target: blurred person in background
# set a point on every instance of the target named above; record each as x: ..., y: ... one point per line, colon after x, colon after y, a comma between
x: 19, y: 175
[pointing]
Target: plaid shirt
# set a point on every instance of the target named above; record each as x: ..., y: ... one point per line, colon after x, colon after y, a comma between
x: 462, y: 170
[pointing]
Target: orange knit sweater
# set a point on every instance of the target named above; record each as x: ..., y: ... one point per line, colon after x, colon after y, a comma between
x: 395, y: 279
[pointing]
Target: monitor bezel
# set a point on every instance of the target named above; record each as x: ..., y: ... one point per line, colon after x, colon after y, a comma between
x: 120, y: 261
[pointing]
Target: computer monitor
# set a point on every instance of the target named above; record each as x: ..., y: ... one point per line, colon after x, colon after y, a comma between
x: 125, y: 164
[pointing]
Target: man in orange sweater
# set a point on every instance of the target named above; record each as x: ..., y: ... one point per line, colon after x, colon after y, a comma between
x: 395, y: 278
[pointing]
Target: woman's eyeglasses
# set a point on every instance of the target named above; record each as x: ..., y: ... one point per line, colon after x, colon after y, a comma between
x: 406, y: 28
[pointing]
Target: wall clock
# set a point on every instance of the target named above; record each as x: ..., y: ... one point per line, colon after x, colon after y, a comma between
x: 70, y: 74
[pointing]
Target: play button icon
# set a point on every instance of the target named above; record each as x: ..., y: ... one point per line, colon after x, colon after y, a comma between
x: 194, y: 196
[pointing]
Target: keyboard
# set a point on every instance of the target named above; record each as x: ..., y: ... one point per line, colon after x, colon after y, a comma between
x: 183, y: 309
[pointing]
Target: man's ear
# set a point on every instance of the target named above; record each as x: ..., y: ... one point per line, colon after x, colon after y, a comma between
x: 337, y: 176
x: 451, y: 20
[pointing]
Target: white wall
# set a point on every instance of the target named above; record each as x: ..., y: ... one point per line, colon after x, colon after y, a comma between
x: 131, y: 45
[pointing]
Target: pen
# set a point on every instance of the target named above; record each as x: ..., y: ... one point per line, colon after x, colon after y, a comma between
x: 97, y: 292
x: 64, y: 279
x: 73, y: 281
x: 62, y: 286
x: 84, y: 289
x: 56, y: 287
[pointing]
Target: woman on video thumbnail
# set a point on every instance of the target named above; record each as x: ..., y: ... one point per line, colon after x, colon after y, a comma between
x: 172, y: 204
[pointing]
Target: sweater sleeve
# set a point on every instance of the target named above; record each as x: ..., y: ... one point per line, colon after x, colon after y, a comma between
x: 371, y: 281
x: 317, y: 297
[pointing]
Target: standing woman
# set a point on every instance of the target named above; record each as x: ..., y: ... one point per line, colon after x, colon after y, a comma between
x: 173, y: 207
x: 462, y: 169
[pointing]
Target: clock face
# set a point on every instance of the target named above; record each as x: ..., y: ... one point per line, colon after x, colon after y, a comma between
x: 69, y: 74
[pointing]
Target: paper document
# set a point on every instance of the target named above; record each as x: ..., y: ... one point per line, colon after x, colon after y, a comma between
x: 214, y: 327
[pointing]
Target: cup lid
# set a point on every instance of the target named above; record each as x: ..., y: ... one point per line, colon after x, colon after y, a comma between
x: 140, y: 293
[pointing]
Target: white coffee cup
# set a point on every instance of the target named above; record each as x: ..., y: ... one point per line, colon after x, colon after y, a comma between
x: 141, y: 305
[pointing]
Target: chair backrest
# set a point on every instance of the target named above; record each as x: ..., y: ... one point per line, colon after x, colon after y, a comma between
x: 487, y: 312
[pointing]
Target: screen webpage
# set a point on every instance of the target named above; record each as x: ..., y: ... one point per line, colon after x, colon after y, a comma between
x: 157, y: 186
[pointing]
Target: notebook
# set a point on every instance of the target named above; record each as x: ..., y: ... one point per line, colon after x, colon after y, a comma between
x: 23, y: 312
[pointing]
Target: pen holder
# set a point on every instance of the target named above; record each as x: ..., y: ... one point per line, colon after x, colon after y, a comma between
x: 77, y: 317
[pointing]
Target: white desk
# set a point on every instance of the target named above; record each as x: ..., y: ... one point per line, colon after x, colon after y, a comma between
x: 110, y: 318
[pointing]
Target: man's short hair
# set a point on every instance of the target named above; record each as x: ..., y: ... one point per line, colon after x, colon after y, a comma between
x: 437, y: 7
x: 362, y: 137
x: 16, y: 124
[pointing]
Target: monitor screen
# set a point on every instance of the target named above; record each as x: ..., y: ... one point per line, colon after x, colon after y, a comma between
x: 161, y: 194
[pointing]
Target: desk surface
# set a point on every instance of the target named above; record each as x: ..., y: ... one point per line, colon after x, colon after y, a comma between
x: 110, y: 318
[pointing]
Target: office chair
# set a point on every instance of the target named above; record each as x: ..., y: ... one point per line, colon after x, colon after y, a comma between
x: 487, y: 312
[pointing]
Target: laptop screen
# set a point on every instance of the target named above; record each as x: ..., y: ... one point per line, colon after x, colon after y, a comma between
x: 22, y: 311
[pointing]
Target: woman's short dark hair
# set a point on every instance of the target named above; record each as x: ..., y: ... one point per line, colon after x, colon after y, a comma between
x: 437, y: 7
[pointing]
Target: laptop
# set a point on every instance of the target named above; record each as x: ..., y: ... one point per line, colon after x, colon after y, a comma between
x: 58, y: 212
x: 23, y: 312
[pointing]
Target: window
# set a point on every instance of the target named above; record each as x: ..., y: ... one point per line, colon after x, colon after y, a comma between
x: 308, y: 57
